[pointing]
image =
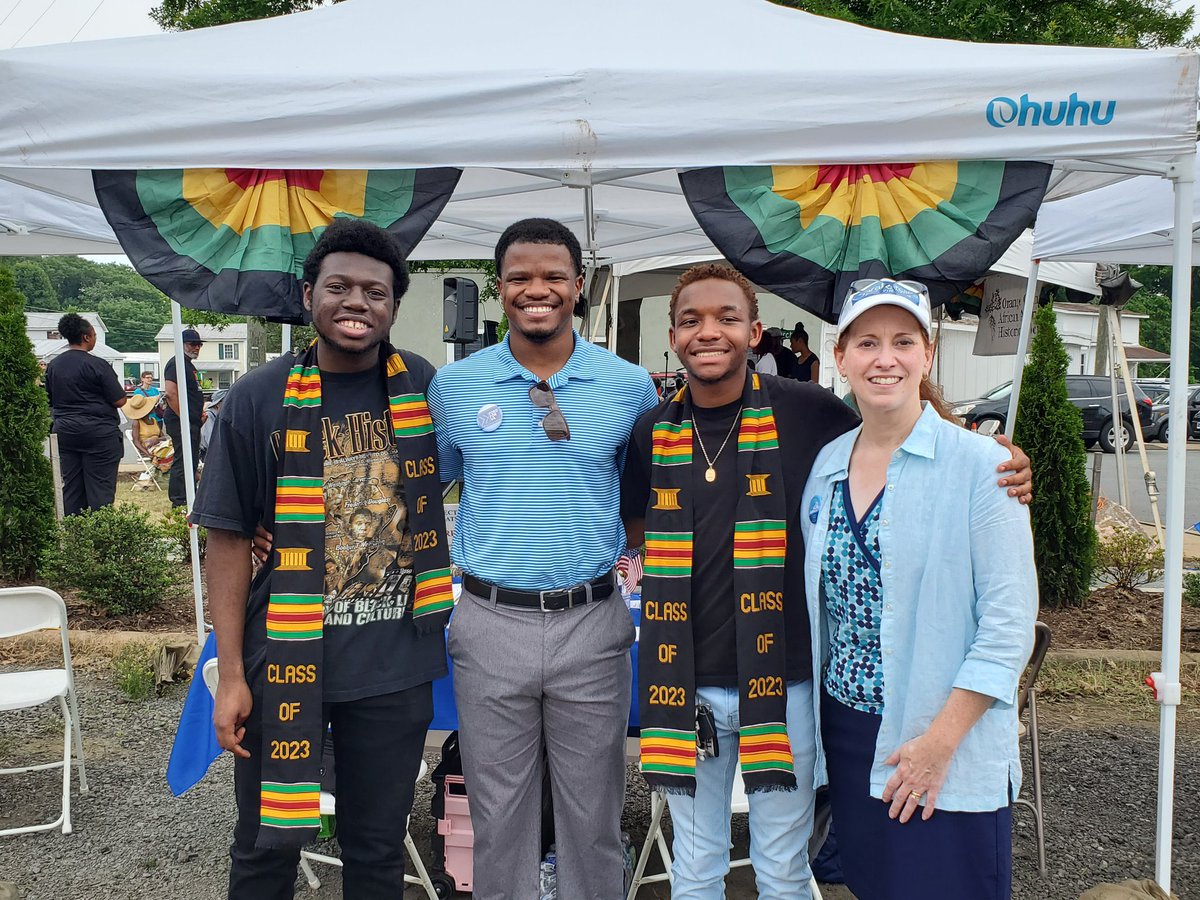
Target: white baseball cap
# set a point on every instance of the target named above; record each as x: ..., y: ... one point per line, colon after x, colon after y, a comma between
x: 911, y: 296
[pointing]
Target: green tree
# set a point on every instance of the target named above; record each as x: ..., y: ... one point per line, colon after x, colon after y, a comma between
x: 34, y: 283
x: 1049, y: 429
x: 1085, y: 23
x: 184, y: 15
x: 1154, y: 299
x: 26, y: 486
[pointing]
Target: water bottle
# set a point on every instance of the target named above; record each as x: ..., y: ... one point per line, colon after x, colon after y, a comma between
x: 548, y: 877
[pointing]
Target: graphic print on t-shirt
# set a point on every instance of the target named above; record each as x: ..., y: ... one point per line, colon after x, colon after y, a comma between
x: 368, y: 546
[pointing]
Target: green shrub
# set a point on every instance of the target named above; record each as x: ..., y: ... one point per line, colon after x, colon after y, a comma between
x: 1049, y: 429
x: 175, y: 528
x: 26, y: 483
x: 1191, y: 589
x: 133, y: 667
x: 115, y: 557
x: 1126, y: 558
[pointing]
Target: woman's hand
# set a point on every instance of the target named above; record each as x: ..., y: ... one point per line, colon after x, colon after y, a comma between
x: 921, y: 767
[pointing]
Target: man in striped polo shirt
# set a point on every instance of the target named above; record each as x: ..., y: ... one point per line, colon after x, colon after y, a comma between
x: 537, y: 427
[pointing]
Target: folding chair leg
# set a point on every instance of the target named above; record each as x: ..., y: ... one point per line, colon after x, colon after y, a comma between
x: 309, y: 875
x: 422, y: 877
x: 74, y: 708
x: 66, y: 795
x: 1036, y: 757
x: 654, y: 838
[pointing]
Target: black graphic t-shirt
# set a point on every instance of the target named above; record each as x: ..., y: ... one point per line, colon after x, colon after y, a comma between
x: 370, y: 645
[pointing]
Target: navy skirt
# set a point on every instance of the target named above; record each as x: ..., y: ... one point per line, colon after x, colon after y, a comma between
x: 952, y: 856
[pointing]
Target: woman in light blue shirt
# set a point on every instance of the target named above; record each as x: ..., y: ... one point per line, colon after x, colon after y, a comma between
x: 923, y: 595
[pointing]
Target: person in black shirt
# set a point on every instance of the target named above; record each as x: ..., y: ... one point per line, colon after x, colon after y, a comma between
x: 714, y: 321
x: 368, y: 522
x: 807, y: 367
x: 84, y: 398
x: 192, y: 342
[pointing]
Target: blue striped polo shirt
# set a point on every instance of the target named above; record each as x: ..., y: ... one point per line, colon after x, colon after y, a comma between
x: 537, y: 514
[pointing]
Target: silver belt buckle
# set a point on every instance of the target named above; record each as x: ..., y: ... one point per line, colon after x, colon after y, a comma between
x: 542, y: 600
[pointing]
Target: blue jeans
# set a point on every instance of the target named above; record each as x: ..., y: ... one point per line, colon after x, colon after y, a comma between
x: 780, y: 821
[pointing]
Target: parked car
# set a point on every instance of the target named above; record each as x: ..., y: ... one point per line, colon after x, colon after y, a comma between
x: 1090, y: 393
x: 1158, y: 422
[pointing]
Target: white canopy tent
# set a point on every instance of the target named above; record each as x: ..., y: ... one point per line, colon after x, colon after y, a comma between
x: 1141, y: 221
x: 1130, y: 222
x: 549, y: 119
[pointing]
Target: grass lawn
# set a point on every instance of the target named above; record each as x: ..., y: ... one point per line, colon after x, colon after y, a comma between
x: 154, y: 502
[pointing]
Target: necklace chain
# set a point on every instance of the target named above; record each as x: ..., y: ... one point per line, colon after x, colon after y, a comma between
x: 711, y: 474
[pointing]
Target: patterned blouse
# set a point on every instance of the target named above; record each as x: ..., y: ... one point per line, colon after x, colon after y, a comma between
x: 853, y: 597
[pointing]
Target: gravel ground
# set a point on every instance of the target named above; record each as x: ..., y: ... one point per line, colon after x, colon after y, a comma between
x: 133, y: 840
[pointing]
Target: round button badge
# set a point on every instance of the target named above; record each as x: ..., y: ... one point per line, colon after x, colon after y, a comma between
x: 489, y: 417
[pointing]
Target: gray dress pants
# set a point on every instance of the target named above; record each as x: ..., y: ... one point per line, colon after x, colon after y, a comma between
x: 525, y: 680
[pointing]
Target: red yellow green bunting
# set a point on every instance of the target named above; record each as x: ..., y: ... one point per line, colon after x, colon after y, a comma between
x: 807, y: 232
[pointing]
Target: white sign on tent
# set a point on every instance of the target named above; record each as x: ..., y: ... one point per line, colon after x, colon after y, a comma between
x: 1000, y: 316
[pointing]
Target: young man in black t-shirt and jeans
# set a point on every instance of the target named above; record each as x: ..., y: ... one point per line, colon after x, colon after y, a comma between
x: 360, y: 507
x: 714, y: 321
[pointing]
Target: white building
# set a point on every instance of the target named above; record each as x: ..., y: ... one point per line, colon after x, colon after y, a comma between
x: 42, y: 331
x: 222, y: 359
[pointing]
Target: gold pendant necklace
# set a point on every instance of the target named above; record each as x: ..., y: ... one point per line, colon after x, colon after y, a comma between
x: 710, y: 474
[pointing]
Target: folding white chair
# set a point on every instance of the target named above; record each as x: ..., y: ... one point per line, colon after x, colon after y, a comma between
x: 739, y: 803
x: 22, y: 610
x: 146, y: 479
x: 329, y: 808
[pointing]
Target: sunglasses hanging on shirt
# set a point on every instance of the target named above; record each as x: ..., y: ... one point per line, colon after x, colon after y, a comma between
x: 553, y: 423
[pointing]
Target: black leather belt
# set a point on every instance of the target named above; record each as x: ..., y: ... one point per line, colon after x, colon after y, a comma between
x: 546, y: 601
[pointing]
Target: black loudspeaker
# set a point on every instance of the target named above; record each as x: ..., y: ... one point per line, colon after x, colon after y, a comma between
x: 489, y: 336
x: 460, y: 311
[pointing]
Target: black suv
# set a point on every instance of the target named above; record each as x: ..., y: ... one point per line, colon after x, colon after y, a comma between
x: 1091, y: 393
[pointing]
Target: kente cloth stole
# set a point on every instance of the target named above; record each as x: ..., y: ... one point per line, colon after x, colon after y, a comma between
x: 666, y: 662
x: 292, y: 721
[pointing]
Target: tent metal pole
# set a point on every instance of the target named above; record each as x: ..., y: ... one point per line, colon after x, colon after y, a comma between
x: 285, y: 341
x: 1166, y: 682
x: 1022, y: 345
x: 185, y: 430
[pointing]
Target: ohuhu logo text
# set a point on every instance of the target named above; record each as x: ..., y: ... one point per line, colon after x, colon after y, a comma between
x: 1005, y: 111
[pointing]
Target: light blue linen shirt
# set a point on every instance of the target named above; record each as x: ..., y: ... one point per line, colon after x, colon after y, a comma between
x: 959, y: 600
x: 537, y: 514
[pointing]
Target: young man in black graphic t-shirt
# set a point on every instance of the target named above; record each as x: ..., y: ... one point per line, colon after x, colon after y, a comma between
x: 375, y: 665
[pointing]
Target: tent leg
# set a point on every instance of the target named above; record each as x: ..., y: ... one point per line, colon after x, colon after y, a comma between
x: 1022, y: 346
x: 188, y: 481
x: 285, y: 342
x: 1118, y: 426
x: 1118, y: 354
x: 1167, y: 683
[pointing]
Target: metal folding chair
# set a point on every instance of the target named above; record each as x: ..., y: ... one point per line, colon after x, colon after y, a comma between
x: 146, y: 478
x: 655, y: 840
x: 329, y: 808
x: 23, y: 610
x: 1028, y: 700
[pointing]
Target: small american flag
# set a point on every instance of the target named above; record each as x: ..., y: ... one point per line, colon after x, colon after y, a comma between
x: 629, y: 567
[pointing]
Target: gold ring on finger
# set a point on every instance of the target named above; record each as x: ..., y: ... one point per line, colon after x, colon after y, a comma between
x: 916, y: 795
